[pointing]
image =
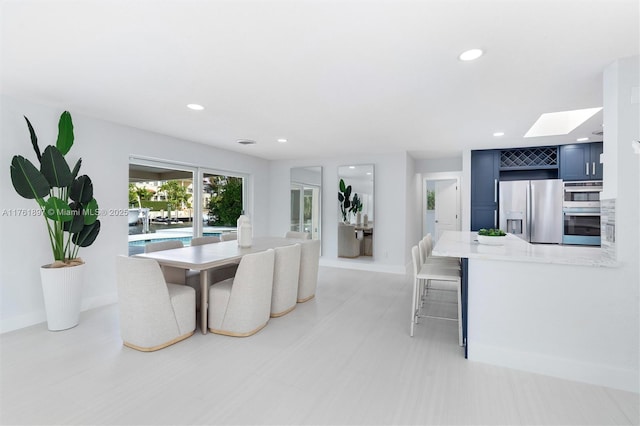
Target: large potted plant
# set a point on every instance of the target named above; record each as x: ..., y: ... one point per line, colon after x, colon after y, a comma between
x: 65, y: 201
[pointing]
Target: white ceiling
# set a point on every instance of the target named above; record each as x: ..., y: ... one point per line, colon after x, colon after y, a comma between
x: 333, y: 77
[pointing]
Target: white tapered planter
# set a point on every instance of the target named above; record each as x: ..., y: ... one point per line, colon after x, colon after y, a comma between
x: 62, y: 290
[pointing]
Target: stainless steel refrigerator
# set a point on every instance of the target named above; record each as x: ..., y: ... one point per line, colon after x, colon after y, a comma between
x: 532, y: 209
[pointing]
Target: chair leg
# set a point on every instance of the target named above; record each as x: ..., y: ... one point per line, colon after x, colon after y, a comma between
x: 413, y: 305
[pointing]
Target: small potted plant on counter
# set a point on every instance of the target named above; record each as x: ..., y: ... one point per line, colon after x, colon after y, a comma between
x: 492, y: 237
x: 65, y: 201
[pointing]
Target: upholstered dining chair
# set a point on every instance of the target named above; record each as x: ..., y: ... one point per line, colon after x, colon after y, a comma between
x: 241, y: 306
x: 153, y: 313
x: 285, y: 280
x: 298, y: 235
x: 219, y: 273
x: 172, y: 274
x: 229, y: 236
x: 348, y: 244
x: 309, y: 265
x: 207, y: 239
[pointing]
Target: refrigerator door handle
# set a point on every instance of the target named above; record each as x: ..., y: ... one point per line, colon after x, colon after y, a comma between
x: 586, y: 171
x: 495, y: 190
x: 593, y: 168
x: 495, y: 218
x: 532, y: 199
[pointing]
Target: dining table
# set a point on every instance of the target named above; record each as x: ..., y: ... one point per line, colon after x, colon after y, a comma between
x: 205, y: 257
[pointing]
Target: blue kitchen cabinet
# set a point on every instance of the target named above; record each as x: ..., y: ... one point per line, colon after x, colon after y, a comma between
x: 581, y: 161
x: 596, y: 166
x: 485, y: 172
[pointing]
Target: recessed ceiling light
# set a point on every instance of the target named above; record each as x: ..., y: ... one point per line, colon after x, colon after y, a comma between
x: 246, y: 142
x: 560, y: 123
x: 352, y: 167
x: 470, y: 55
x: 498, y: 134
x: 282, y: 140
x: 582, y: 139
x: 195, y: 107
x: 369, y: 173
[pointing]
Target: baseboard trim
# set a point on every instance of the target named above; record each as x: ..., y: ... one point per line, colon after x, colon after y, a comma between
x: 363, y: 265
x: 37, y: 317
x: 570, y: 369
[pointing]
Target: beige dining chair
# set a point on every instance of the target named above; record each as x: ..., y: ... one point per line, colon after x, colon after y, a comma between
x: 298, y: 235
x: 207, y: 239
x: 285, y: 280
x: 309, y: 265
x: 348, y: 244
x: 217, y: 274
x: 241, y: 306
x: 229, y: 236
x: 153, y: 313
x: 171, y: 273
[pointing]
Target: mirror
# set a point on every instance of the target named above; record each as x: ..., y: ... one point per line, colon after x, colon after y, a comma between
x: 306, y: 207
x: 356, y: 217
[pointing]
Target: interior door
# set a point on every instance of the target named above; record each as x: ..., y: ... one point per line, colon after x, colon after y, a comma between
x: 446, y: 208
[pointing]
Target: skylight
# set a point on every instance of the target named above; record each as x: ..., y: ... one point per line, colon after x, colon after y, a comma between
x: 560, y: 123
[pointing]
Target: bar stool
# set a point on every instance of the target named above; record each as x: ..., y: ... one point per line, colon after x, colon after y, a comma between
x: 429, y: 272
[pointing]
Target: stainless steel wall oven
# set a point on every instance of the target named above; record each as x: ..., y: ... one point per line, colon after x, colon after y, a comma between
x: 581, y: 213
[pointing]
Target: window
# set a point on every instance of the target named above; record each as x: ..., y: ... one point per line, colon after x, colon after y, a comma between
x: 162, y: 205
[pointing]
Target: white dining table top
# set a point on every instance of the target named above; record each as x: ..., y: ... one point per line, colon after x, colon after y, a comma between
x: 208, y: 256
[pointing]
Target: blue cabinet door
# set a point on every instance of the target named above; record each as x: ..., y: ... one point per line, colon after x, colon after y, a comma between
x: 485, y: 169
x: 575, y: 162
x: 596, y: 166
x: 581, y: 161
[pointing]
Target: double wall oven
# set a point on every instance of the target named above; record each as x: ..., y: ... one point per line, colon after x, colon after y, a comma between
x: 581, y: 213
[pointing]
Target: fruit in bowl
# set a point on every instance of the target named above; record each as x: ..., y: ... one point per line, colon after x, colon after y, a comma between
x: 493, y: 237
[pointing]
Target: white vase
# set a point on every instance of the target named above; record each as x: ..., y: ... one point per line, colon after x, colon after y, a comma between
x: 366, y: 219
x: 62, y: 291
x: 358, y: 218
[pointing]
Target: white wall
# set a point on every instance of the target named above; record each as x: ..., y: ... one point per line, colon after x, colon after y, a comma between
x: 390, y: 207
x: 105, y: 149
x: 437, y: 165
x: 574, y: 322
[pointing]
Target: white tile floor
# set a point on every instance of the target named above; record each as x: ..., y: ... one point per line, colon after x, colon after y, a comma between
x: 344, y: 357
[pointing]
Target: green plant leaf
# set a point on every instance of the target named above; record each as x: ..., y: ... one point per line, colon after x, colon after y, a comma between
x: 88, y: 235
x: 342, y: 186
x: 34, y: 139
x: 90, y: 212
x: 55, y: 168
x: 77, y: 223
x: 76, y: 169
x: 65, y: 133
x: 340, y: 197
x: 27, y: 179
x: 57, y: 210
x: 82, y: 190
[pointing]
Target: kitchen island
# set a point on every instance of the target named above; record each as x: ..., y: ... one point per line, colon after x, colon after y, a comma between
x: 545, y: 309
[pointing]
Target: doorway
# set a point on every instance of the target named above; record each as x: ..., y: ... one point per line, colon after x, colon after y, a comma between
x: 441, y: 205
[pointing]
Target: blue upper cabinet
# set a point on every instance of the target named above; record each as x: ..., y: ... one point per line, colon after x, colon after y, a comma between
x: 596, y: 166
x: 485, y: 172
x: 581, y: 161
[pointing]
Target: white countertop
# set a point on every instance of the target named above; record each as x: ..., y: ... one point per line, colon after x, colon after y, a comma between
x: 465, y: 244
